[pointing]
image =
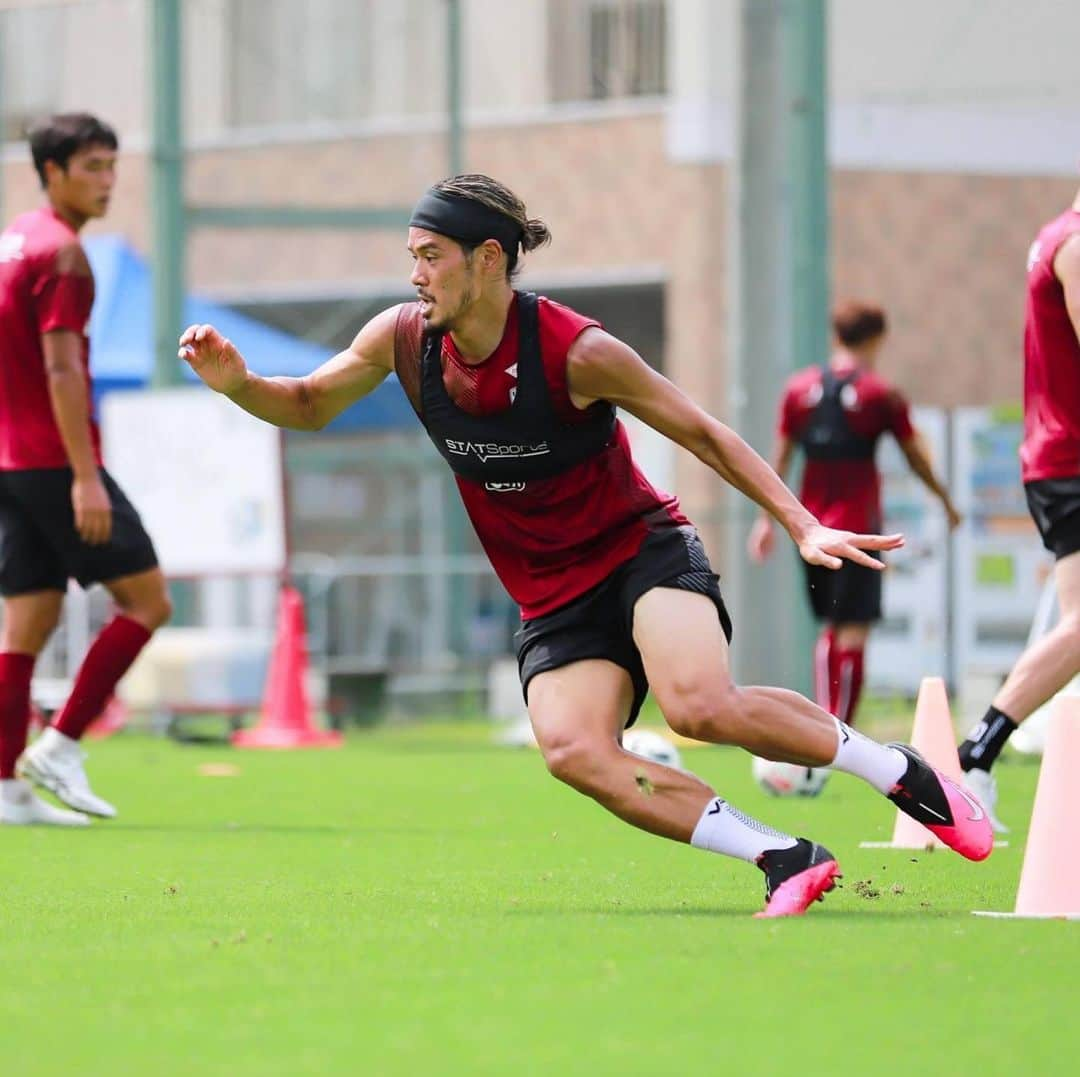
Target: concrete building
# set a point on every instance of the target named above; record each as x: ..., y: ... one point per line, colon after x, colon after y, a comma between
x: 954, y: 133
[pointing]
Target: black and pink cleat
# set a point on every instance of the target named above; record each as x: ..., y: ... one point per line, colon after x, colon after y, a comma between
x: 795, y: 878
x: 948, y: 810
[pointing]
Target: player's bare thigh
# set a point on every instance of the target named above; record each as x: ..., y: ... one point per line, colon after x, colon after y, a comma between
x: 685, y: 654
x: 1067, y: 584
x: 578, y: 712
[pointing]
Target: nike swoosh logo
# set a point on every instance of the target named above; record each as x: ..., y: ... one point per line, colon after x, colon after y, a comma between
x: 972, y: 803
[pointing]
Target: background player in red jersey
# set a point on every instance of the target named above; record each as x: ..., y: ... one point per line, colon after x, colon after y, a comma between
x: 1050, y: 469
x: 836, y: 413
x: 61, y: 514
x: 617, y: 596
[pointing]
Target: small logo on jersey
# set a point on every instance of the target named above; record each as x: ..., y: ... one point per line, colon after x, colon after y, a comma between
x: 504, y: 487
x: 11, y: 247
x: 1034, y: 254
x: 814, y: 395
x: 849, y: 398
x: 511, y: 372
x: 495, y: 450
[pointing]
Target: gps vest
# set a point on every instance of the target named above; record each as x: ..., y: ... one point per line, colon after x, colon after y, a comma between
x: 524, y: 443
x: 828, y: 434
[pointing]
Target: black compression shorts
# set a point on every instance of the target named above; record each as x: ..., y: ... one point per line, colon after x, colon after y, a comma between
x: 40, y: 550
x: 1054, y: 505
x: 600, y: 623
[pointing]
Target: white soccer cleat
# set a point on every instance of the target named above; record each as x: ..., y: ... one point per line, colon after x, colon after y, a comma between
x: 983, y: 784
x: 55, y: 762
x: 20, y: 806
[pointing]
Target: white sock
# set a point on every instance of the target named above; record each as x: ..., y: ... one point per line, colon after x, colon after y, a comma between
x: 52, y: 740
x: 875, y: 763
x: 13, y: 790
x: 724, y: 829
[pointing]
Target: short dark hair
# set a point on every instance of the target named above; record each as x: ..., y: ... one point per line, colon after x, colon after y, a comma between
x: 497, y: 196
x: 855, y: 322
x: 61, y: 136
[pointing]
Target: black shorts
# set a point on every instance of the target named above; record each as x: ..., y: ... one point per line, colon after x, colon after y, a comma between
x: 40, y: 550
x: 850, y: 594
x: 600, y: 624
x: 1054, y: 505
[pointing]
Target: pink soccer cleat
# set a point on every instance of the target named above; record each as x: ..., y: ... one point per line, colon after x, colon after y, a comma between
x: 795, y: 878
x: 948, y: 810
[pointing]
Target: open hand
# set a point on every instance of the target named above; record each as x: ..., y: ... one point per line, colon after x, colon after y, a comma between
x: 831, y: 548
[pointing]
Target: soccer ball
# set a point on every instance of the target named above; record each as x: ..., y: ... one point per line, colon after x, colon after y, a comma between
x: 789, y: 779
x: 650, y: 745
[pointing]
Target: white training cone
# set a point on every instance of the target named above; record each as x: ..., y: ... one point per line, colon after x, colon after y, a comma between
x: 1050, y: 878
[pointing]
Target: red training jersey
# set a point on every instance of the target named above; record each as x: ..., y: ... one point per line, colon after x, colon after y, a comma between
x: 45, y: 284
x: 1051, y: 445
x: 845, y: 494
x: 554, y: 539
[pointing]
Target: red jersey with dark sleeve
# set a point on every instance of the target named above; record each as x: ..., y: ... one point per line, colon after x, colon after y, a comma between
x: 1051, y: 445
x: 845, y: 494
x: 548, y: 540
x: 45, y: 284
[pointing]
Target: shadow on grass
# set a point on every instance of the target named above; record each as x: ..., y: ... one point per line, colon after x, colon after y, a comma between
x: 860, y: 913
x: 261, y: 828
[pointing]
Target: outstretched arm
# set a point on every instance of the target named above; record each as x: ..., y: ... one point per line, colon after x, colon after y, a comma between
x: 762, y: 538
x: 600, y: 367
x: 307, y: 403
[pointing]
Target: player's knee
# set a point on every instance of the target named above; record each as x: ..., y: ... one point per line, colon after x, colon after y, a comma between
x: 573, y: 759
x: 153, y: 611
x: 706, y: 712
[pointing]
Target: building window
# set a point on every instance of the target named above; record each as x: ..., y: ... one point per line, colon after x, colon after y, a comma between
x: 603, y: 49
x: 298, y: 63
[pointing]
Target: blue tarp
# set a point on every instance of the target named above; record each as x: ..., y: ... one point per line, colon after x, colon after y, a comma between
x: 121, y: 339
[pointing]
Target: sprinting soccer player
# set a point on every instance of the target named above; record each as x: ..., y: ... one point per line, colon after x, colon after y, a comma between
x: 836, y: 414
x: 61, y: 514
x: 1050, y: 469
x: 518, y: 394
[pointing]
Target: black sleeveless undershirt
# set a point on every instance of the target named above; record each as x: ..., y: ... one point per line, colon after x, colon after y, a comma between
x: 827, y: 434
x: 526, y: 442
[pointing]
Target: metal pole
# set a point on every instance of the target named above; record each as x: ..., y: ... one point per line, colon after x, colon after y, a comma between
x: 779, y: 298
x: 805, y: 87
x: 168, y: 238
x: 808, y: 172
x: 454, y: 100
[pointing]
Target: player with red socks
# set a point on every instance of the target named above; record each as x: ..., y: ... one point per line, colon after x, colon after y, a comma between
x: 836, y: 414
x: 61, y: 514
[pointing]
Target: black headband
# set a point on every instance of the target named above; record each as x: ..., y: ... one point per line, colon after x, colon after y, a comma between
x: 466, y: 221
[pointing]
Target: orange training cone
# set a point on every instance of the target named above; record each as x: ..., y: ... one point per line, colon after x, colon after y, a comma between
x: 286, y: 720
x: 1050, y: 878
x: 933, y: 737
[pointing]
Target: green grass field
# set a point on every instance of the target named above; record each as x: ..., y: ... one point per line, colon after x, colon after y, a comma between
x: 422, y: 902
